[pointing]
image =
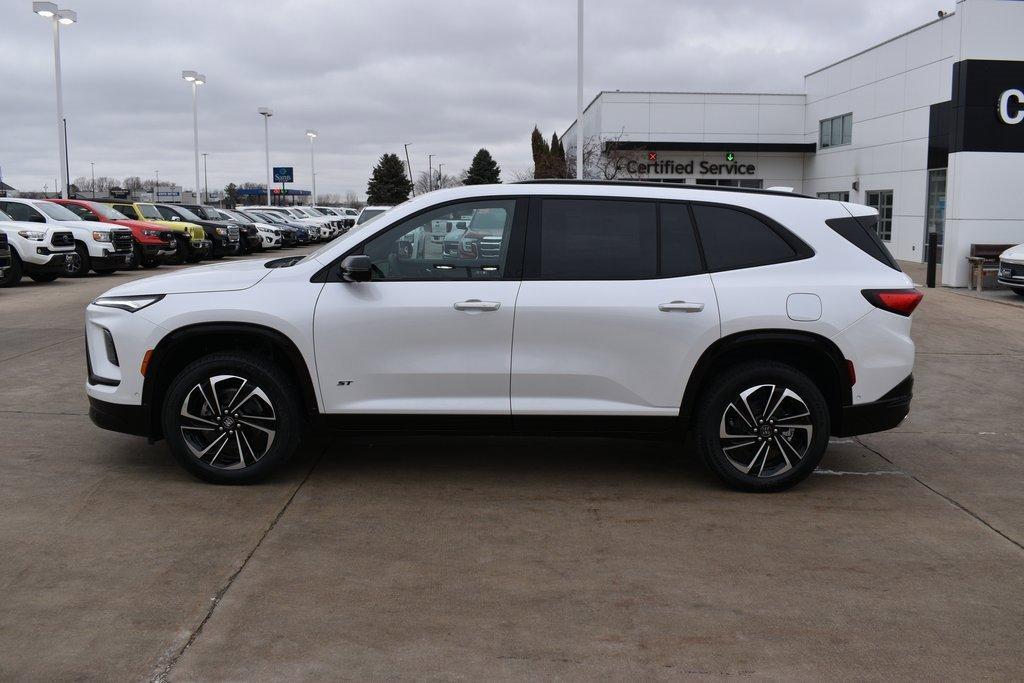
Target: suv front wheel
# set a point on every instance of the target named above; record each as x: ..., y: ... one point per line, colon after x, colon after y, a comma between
x: 231, y: 418
x: 762, y: 426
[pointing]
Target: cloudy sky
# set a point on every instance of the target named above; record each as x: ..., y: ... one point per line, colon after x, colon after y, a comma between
x: 447, y: 76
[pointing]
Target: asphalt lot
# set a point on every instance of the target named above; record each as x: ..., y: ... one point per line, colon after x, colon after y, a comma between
x: 374, y: 558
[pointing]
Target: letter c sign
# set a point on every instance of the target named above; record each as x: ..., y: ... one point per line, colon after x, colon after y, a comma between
x: 1004, y: 106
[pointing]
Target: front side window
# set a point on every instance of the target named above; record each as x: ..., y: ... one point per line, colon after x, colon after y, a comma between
x: 424, y: 248
x: 882, y: 201
x: 598, y: 239
x: 736, y: 239
x: 22, y: 212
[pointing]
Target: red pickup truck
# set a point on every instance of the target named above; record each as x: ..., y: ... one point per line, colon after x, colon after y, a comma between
x: 153, y: 242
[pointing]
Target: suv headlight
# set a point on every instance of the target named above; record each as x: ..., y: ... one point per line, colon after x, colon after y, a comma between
x: 36, y: 235
x: 221, y: 231
x: 128, y: 303
x: 101, y: 235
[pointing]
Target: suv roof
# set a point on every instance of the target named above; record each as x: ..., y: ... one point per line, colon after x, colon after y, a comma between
x: 649, y: 184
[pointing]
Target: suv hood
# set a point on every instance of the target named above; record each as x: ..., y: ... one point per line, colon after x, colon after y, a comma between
x: 220, y: 277
x: 1014, y: 253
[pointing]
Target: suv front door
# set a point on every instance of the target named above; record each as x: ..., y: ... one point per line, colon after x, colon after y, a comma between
x: 614, y: 311
x: 427, y: 334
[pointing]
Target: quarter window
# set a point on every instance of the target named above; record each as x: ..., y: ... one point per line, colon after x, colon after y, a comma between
x: 467, y: 241
x: 736, y: 239
x: 882, y: 201
x: 598, y: 239
x: 835, y: 131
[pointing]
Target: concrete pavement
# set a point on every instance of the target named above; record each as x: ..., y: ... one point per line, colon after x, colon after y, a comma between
x: 371, y: 558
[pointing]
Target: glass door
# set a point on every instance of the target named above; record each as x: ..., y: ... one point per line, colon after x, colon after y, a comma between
x: 935, y: 217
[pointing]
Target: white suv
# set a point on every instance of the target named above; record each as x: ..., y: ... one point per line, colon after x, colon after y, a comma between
x: 761, y: 322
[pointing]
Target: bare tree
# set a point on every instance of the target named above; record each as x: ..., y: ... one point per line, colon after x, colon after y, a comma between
x: 132, y: 183
x: 602, y: 160
x: 440, y: 181
x: 353, y: 201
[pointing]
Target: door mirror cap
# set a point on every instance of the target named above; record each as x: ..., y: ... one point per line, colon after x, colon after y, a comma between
x: 356, y: 268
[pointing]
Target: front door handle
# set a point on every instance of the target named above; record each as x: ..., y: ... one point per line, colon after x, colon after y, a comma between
x: 477, y: 305
x: 685, y: 306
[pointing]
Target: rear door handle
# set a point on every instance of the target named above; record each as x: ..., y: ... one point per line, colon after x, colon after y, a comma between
x: 685, y: 306
x: 477, y: 305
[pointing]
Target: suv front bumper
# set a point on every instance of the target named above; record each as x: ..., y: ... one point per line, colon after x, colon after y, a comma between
x: 54, y: 265
x: 1010, y: 274
x: 116, y: 260
x: 877, y: 416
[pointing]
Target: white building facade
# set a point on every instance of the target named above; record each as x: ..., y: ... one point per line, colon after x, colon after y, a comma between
x: 928, y: 127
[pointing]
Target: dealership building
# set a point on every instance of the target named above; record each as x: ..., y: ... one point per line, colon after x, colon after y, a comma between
x: 927, y: 126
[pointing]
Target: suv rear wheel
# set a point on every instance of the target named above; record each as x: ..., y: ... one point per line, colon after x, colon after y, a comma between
x: 762, y: 426
x: 231, y: 418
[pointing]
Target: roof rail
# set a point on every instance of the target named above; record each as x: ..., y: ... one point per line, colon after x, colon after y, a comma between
x: 649, y: 184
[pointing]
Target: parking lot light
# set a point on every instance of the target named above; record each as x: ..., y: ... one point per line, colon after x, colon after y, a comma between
x: 196, y: 79
x: 266, y: 113
x: 311, y: 134
x: 57, y: 16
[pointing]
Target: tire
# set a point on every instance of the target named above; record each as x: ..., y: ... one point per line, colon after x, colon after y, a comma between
x: 12, y: 276
x: 182, y: 251
x: 209, y: 385
x: 779, y: 395
x: 78, y: 267
x: 44, y: 277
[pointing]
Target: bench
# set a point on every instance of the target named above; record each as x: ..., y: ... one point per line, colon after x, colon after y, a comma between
x: 984, y: 259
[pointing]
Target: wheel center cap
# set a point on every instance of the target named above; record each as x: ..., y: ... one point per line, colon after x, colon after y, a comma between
x: 765, y: 431
x: 227, y: 422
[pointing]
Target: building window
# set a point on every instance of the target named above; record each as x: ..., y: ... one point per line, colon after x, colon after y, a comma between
x: 882, y: 201
x: 836, y: 131
x: 732, y: 182
x: 836, y: 196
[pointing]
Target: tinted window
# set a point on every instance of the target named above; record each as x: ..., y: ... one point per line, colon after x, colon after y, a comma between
x: 420, y: 248
x: 860, y: 232
x: 679, y: 253
x: 21, y: 212
x: 736, y: 239
x: 593, y: 239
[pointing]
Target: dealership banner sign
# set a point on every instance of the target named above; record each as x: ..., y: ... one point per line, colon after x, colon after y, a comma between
x: 689, y: 167
x: 987, y: 108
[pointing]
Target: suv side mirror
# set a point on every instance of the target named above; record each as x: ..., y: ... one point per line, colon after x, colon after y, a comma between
x: 356, y: 268
x: 90, y: 217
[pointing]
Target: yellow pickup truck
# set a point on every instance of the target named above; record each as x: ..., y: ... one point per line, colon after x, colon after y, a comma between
x: 193, y: 246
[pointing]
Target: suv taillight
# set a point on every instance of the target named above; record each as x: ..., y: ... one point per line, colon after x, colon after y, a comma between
x: 898, y: 301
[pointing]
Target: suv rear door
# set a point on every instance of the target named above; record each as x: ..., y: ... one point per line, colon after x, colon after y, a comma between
x: 614, y: 310
x: 426, y: 335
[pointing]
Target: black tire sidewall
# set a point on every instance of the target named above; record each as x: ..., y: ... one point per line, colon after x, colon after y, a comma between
x: 725, y: 388
x: 14, y: 273
x: 274, y: 383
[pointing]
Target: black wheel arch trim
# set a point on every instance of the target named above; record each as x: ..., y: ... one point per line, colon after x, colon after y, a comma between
x: 189, y: 334
x: 740, y: 341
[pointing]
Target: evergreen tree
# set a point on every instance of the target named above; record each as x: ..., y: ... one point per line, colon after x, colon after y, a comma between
x: 558, y: 166
x: 483, y: 169
x: 389, y: 185
x: 541, y: 155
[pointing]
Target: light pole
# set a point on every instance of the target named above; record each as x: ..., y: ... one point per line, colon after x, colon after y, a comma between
x: 206, y: 181
x: 409, y: 166
x: 430, y: 172
x: 311, y: 134
x: 49, y: 10
x: 579, y: 90
x: 196, y: 79
x: 266, y: 113
x: 92, y: 166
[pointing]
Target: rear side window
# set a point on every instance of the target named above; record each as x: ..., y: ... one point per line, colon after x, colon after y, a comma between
x: 598, y: 239
x: 860, y: 232
x: 736, y: 239
x: 679, y: 252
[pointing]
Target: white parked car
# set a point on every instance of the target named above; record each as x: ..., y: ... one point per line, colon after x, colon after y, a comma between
x: 100, y: 247
x: 761, y: 322
x: 321, y: 226
x: 37, y: 250
x: 1011, y: 269
x: 270, y: 237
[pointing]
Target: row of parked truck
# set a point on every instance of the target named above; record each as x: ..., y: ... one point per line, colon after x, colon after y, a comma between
x: 44, y: 239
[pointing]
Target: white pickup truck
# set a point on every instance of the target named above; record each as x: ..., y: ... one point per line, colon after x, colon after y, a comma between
x: 99, y: 247
x: 39, y: 251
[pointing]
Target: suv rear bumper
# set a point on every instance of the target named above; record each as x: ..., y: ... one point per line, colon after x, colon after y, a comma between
x: 877, y: 416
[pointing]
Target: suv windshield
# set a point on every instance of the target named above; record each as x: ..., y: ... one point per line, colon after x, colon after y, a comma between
x: 57, y: 212
x: 149, y: 211
x: 106, y: 211
x: 184, y: 213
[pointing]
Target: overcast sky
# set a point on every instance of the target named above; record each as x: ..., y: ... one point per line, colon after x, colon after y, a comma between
x: 447, y: 76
